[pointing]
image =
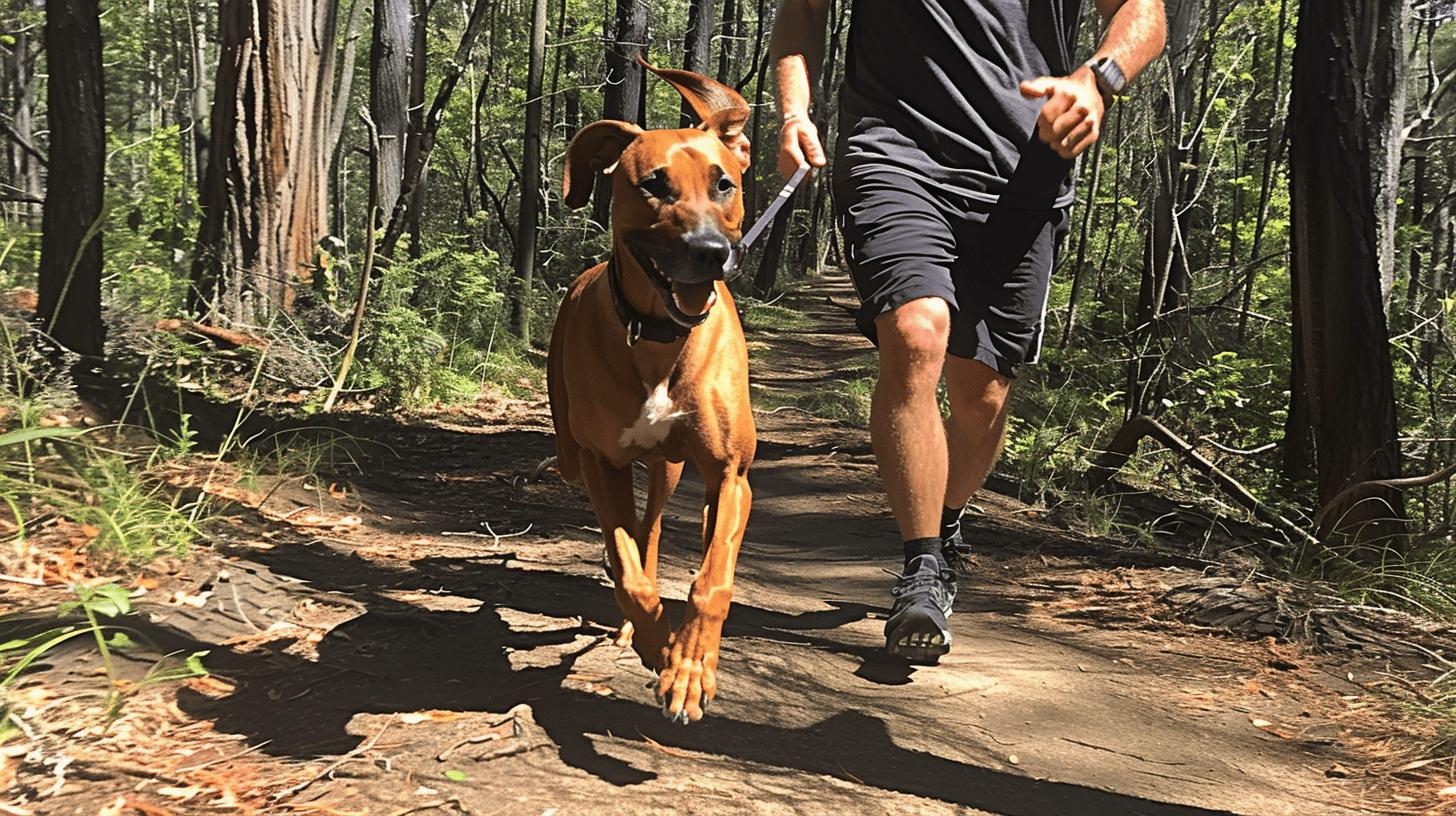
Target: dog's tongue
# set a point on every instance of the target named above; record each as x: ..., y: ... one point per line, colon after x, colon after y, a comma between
x: 694, y: 298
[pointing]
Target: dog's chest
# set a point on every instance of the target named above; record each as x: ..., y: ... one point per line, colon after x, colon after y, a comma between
x: 655, y: 420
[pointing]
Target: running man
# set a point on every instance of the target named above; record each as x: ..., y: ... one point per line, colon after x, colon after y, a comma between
x: 959, y: 121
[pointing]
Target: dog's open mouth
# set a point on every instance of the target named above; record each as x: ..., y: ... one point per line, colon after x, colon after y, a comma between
x: 694, y: 299
x: 686, y: 303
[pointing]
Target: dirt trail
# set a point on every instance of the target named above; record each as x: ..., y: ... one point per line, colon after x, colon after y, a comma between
x: 1069, y: 691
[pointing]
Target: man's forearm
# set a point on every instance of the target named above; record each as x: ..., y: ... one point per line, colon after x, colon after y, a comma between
x: 797, y: 50
x: 1135, y: 35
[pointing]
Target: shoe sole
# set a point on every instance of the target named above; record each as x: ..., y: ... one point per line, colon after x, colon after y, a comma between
x: 919, y: 647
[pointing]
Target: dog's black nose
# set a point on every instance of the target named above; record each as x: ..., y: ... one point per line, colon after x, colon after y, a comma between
x: 707, y: 248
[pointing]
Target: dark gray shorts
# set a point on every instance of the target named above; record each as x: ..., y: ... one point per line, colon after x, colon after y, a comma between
x: 991, y: 264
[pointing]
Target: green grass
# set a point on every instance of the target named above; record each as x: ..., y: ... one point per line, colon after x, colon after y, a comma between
x: 757, y: 316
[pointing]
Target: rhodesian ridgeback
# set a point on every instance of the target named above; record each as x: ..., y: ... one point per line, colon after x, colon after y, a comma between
x: 648, y: 364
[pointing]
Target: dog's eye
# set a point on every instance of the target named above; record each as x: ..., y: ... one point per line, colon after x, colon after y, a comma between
x: 725, y: 186
x: 656, y: 186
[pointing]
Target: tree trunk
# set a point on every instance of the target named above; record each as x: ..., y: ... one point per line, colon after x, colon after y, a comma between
x: 728, y: 42
x: 429, y: 130
x: 344, y: 89
x: 24, y: 166
x: 1345, y: 113
x: 389, y: 93
x: 414, y: 157
x: 70, y: 254
x: 530, y: 175
x: 1079, y: 267
x: 1273, y: 146
x: 622, y: 97
x: 264, y: 196
x: 696, y: 46
x: 1166, y: 278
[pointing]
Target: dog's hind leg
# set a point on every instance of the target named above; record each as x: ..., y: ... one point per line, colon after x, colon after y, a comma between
x: 610, y: 489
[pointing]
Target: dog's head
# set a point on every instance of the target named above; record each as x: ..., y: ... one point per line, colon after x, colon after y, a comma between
x: 677, y: 195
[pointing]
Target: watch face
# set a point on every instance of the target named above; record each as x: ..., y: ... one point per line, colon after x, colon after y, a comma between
x: 1110, y: 75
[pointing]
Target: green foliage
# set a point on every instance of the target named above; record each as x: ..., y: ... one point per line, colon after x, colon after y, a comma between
x: 148, y: 236
x: 93, y: 603
x: 439, y: 331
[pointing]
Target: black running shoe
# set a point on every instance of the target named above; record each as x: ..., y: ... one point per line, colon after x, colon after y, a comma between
x: 917, y: 628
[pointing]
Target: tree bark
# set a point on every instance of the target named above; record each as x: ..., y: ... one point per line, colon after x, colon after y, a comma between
x: 1345, y: 117
x: 429, y: 130
x: 389, y: 93
x: 414, y: 158
x: 696, y: 47
x: 622, y: 97
x: 70, y: 255
x: 530, y: 175
x: 24, y: 164
x: 264, y: 196
x: 728, y: 42
x: 344, y: 89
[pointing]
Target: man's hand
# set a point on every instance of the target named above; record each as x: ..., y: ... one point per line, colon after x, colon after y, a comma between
x: 799, y: 145
x: 1071, y: 120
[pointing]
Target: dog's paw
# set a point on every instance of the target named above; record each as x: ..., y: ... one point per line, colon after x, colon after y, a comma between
x: 690, y: 681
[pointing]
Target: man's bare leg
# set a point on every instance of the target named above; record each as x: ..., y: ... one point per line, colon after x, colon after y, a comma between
x: 976, y: 429
x: 905, y: 424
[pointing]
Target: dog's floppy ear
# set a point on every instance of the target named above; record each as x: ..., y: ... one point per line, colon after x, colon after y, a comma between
x: 595, y: 149
x: 722, y: 110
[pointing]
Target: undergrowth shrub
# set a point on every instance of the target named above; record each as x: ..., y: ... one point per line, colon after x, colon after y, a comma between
x: 439, y: 330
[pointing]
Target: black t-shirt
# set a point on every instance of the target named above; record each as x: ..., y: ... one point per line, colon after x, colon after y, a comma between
x: 931, y: 91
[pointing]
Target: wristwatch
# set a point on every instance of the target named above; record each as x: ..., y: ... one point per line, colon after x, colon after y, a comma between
x: 1110, y: 78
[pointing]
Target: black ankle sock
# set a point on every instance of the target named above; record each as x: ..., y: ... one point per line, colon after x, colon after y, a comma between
x: 923, y: 546
x: 950, y: 522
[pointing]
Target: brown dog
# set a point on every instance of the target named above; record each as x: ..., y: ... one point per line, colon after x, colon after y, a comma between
x: 648, y: 364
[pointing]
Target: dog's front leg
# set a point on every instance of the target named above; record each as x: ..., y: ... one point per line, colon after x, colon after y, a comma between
x: 610, y: 490
x: 691, y: 677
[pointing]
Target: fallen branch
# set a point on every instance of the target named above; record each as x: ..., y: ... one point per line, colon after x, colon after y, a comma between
x: 227, y: 336
x: 1360, y: 490
x: 1124, y: 444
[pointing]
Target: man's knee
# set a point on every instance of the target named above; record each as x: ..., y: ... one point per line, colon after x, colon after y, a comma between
x: 913, y: 337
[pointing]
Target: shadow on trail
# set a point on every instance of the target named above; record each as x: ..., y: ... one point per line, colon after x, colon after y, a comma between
x: 399, y: 657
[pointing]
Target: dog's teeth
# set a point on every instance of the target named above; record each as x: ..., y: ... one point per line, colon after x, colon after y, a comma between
x: 904, y: 641
x: 935, y: 641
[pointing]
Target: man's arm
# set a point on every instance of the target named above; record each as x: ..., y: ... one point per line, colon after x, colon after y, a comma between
x: 1071, y: 119
x: 797, y: 49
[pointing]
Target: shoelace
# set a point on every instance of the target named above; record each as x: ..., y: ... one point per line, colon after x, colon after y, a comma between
x: 957, y: 558
x: 931, y: 583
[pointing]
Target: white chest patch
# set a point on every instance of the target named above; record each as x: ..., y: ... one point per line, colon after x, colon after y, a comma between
x: 655, y: 421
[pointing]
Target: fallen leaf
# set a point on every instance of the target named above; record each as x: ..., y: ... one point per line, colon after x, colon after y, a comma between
x: 1013, y: 759
x: 1260, y: 723
x: 1337, y: 771
x: 455, y: 776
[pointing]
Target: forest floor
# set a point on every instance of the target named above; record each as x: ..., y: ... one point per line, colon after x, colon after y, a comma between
x: 433, y: 636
